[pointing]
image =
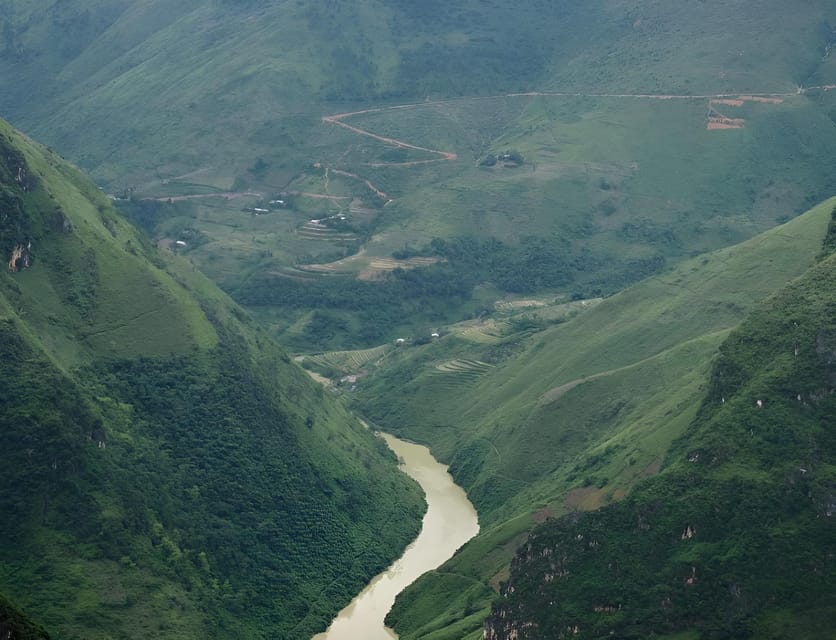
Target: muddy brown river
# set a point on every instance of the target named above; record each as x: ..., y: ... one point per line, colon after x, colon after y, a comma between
x: 450, y: 521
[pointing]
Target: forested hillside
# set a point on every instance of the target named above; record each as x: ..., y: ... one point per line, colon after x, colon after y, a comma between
x: 166, y: 469
x: 735, y: 537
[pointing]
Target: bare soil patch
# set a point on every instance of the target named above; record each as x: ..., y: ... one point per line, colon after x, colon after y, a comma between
x: 584, y: 498
x: 762, y: 99
x: 653, y: 468
x: 715, y: 124
x: 730, y: 102
x: 541, y: 515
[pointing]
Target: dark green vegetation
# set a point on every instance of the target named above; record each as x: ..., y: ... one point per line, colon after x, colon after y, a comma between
x: 166, y: 471
x: 365, y: 313
x: 16, y: 625
x: 735, y: 537
x: 208, y: 97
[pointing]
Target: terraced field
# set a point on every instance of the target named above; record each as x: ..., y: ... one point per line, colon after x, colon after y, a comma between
x: 480, y: 331
x: 461, y: 372
x: 349, y: 360
x: 315, y: 230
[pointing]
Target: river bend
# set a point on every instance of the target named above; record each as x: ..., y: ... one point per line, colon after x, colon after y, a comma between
x: 450, y: 521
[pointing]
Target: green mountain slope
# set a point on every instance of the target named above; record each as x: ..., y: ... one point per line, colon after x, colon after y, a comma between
x: 242, y: 67
x: 573, y: 416
x: 208, y: 98
x: 166, y: 469
x: 735, y: 536
x: 529, y: 407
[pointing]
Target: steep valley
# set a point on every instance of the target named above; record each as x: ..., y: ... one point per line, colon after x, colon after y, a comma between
x: 583, y: 251
x: 165, y: 466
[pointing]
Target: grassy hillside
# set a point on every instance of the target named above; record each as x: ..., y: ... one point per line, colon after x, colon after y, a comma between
x: 166, y: 469
x: 573, y: 415
x: 255, y: 67
x: 751, y: 479
x: 523, y: 406
x: 226, y: 100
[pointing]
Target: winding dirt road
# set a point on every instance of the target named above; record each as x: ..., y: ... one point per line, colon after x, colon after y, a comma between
x: 338, y: 119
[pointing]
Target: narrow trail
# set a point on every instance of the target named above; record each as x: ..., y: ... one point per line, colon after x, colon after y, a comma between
x: 378, y: 192
x: 556, y: 393
x: 337, y: 119
x: 227, y: 195
x: 329, y: 170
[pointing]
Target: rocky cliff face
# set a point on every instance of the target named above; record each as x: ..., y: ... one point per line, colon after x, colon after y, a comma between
x: 734, y: 538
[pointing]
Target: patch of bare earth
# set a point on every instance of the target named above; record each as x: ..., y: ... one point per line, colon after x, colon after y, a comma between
x: 325, y: 382
x: 584, y: 498
x: 716, y: 124
x: 555, y: 394
x: 762, y: 99
x: 510, y: 305
x: 541, y: 515
x: 653, y: 468
x: 729, y: 102
x: 497, y: 580
x: 378, y: 268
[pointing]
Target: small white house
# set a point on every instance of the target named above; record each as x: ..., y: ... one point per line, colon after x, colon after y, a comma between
x: 180, y: 243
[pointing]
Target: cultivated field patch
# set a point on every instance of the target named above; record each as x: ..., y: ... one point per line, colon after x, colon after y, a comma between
x: 366, y: 267
x: 350, y: 361
x: 461, y: 372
